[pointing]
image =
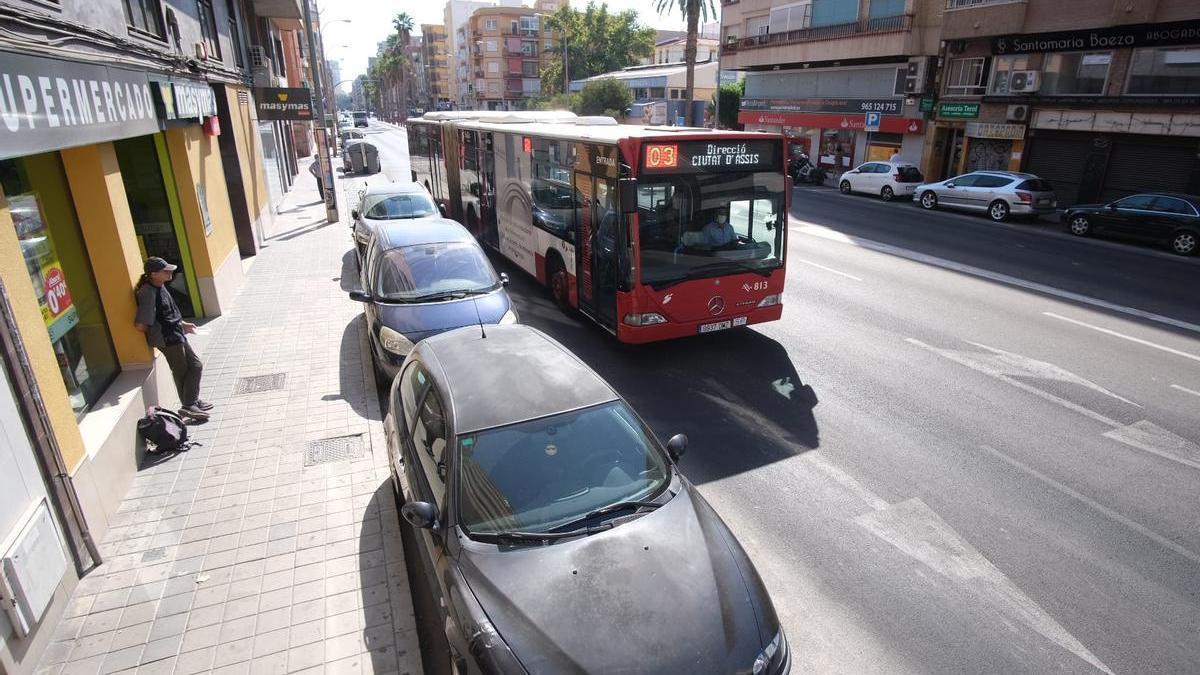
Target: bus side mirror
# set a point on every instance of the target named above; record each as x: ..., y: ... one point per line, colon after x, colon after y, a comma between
x: 627, y: 192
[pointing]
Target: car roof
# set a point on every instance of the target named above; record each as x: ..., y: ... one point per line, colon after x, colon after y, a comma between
x: 514, y: 374
x: 415, y: 231
x: 1191, y: 199
x: 393, y: 189
x: 1006, y: 174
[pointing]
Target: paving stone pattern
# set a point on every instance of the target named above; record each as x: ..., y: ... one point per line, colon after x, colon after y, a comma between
x: 236, y: 557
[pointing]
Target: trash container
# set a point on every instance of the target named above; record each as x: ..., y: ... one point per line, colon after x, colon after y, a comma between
x: 360, y: 157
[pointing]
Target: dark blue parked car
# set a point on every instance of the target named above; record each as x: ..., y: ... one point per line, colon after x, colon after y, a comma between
x: 421, y: 279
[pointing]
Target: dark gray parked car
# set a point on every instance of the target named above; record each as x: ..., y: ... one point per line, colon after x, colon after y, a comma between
x: 555, y: 532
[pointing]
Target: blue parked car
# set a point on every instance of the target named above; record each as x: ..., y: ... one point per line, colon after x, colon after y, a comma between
x: 421, y: 279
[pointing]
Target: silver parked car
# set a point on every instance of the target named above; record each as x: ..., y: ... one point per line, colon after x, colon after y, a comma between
x: 998, y: 193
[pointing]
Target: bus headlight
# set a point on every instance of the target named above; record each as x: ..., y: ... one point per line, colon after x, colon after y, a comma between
x: 509, y: 317
x: 769, y: 301
x: 394, y: 342
x: 647, y: 319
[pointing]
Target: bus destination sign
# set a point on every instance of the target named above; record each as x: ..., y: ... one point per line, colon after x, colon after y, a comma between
x: 728, y: 156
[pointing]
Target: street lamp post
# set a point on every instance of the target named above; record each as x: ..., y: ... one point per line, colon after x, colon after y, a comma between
x: 330, y: 194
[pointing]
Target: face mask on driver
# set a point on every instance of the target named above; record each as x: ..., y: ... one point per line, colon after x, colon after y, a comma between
x: 721, y: 218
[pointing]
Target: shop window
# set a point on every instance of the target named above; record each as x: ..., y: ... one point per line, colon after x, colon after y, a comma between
x: 60, y: 272
x: 1002, y: 69
x: 1082, y: 73
x: 144, y: 16
x: 1160, y: 70
x: 967, y: 77
x: 837, y: 143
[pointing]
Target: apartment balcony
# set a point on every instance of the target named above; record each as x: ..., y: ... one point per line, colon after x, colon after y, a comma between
x: 865, y: 38
x: 278, y: 9
x: 965, y: 19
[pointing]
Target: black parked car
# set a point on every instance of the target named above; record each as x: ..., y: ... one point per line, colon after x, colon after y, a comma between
x: 554, y: 530
x: 1162, y: 218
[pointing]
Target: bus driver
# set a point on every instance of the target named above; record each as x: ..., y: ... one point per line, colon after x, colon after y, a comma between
x: 718, y: 232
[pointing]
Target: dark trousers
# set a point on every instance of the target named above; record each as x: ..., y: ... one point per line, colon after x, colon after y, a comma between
x: 186, y: 367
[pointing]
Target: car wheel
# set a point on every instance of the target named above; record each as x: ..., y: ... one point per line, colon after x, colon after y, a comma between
x: 929, y: 200
x: 886, y: 194
x: 998, y: 210
x: 1184, y: 242
x: 559, y: 282
x: 1079, y: 226
x: 845, y: 187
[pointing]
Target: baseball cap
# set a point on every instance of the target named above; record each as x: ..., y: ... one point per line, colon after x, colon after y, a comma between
x: 157, y: 264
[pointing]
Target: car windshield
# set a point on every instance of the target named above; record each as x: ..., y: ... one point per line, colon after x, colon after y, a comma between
x: 543, y: 474
x: 422, y: 271
x: 909, y: 174
x: 394, y: 207
x: 681, y: 233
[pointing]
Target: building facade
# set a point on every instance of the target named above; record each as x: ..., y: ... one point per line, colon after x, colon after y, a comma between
x: 458, y: 44
x: 436, y: 66
x: 509, y: 46
x: 818, y: 70
x: 1100, y: 98
x: 134, y: 136
x: 673, y: 50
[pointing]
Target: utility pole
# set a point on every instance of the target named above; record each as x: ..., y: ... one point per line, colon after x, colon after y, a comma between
x: 330, y: 196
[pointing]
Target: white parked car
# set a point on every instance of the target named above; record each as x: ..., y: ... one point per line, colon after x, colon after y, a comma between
x: 886, y: 179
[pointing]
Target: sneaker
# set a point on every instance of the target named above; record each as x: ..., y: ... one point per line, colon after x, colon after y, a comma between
x: 193, y: 411
x: 203, y: 405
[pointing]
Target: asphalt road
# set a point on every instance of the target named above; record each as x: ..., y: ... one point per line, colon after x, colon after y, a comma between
x: 966, y: 447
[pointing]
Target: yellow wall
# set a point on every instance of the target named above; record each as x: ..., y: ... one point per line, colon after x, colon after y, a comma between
x: 107, y: 225
x: 37, y: 343
x: 245, y: 134
x: 196, y: 159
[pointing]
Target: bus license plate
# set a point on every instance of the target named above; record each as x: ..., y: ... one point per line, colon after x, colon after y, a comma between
x: 722, y: 325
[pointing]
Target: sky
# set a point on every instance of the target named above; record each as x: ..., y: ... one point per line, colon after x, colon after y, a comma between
x: 370, y: 21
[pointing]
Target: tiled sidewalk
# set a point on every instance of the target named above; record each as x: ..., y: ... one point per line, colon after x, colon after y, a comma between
x: 268, y: 548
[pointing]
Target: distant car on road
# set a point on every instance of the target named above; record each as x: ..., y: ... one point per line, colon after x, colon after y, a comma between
x: 886, y: 179
x: 1157, y: 217
x: 383, y: 203
x: 555, y: 532
x: 1000, y: 194
x: 360, y: 118
x: 421, y: 279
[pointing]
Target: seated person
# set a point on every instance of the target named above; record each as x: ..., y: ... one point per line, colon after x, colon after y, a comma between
x: 718, y: 233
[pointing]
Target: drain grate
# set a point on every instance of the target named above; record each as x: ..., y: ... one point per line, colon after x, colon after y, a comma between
x: 154, y: 555
x: 257, y: 383
x: 333, y: 449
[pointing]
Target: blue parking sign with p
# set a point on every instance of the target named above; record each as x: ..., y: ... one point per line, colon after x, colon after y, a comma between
x: 872, y: 121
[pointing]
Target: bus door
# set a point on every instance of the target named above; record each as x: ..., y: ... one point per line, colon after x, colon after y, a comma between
x: 487, y: 192
x: 599, y: 244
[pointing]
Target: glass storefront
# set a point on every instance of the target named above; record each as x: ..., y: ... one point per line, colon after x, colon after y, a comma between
x: 272, y: 168
x: 60, y: 272
x: 155, y: 213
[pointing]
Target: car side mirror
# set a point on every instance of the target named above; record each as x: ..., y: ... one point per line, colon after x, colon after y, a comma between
x: 359, y: 295
x: 421, y: 515
x: 1112, y: 206
x: 354, y: 214
x: 677, y: 446
x: 949, y: 185
x: 442, y: 210
x: 503, y: 278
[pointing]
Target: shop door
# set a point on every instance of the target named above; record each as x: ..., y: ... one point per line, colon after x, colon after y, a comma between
x: 154, y: 205
x: 952, y: 152
x: 1061, y: 161
x: 1140, y: 164
x: 597, y: 256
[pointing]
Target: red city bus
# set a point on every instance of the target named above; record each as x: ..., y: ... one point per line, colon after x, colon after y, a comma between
x: 652, y: 232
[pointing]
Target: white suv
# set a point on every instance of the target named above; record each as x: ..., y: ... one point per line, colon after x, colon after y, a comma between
x: 886, y: 179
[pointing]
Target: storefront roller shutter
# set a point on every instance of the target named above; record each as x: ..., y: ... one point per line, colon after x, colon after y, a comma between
x: 1060, y: 161
x: 1146, y: 164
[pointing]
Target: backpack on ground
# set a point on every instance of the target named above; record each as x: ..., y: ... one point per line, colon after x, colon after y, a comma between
x: 163, y: 431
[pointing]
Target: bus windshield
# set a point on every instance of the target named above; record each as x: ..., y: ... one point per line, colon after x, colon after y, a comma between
x: 705, y: 225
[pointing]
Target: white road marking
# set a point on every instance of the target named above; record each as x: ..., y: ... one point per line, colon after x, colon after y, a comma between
x: 917, y: 531
x: 1185, y: 390
x: 1023, y: 365
x: 816, y: 230
x: 1122, y: 336
x: 1113, y: 515
x: 1143, y: 435
x: 827, y: 269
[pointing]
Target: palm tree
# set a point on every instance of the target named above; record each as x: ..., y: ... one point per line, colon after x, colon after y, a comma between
x: 693, y: 10
x: 403, y: 23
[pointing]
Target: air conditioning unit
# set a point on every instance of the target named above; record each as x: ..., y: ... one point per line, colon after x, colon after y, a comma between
x: 1024, y: 81
x: 1018, y: 113
x: 258, y: 56
x: 201, y: 49
x: 916, y: 76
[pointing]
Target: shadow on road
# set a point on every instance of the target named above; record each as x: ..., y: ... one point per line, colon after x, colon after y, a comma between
x: 351, y: 381
x: 736, y: 394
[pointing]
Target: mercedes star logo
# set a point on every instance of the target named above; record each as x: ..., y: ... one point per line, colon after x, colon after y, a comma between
x: 716, y: 305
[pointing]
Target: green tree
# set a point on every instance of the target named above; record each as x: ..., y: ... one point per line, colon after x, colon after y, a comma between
x: 596, y: 42
x: 727, y: 100
x: 693, y: 11
x: 604, y: 97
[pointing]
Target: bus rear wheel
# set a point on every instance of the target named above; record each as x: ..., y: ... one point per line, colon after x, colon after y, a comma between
x: 559, y: 283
